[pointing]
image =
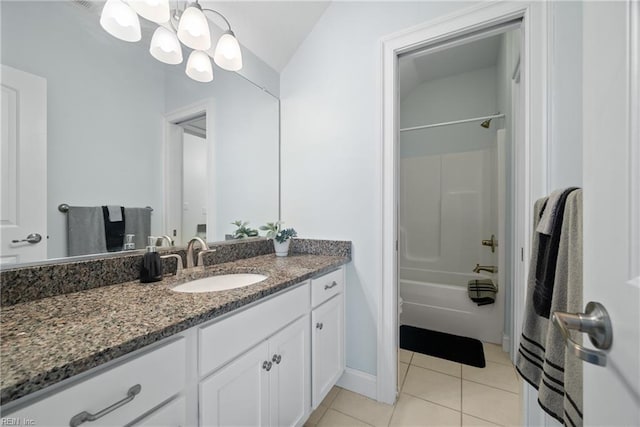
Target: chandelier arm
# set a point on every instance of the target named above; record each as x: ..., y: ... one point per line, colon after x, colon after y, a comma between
x: 220, y: 15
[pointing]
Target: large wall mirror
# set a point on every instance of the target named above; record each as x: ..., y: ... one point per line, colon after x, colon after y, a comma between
x: 123, y: 129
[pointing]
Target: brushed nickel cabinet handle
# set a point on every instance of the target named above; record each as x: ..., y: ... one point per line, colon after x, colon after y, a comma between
x: 277, y: 358
x: 319, y: 325
x: 266, y: 365
x: 85, y: 416
x: 332, y: 285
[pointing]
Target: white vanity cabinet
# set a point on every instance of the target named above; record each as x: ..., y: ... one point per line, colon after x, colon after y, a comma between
x: 260, y: 363
x: 267, y: 385
x: 117, y: 395
x: 327, y: 342
x: 265, y: 364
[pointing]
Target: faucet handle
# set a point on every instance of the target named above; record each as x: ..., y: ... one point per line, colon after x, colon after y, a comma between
x: 180, y: 265
x: 200, y: 260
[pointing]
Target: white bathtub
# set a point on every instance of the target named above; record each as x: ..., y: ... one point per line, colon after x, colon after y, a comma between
x: 439, y: 301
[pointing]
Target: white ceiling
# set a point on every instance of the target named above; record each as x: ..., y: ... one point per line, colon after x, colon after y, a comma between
x: 272, y: 30
x: 421, y: 67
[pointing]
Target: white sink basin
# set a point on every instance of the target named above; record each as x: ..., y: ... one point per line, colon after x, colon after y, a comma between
x: 223, y: 282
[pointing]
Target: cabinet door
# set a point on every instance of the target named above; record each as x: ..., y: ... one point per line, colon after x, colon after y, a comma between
x: 238, y: 394
x: 290, y: 379
x: 327, y: 323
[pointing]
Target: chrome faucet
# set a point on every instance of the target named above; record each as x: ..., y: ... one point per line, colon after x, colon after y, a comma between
x: 203, y: 245
x: 488, y: 268
x: 178, y: 258
x: 164, y: 238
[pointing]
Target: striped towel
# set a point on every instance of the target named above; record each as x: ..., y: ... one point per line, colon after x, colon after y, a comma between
x: 542, y: 359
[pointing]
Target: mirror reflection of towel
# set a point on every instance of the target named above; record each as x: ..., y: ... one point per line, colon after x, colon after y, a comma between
x: 85, y: 231
x: 114, y: 229
x: 138, y: 222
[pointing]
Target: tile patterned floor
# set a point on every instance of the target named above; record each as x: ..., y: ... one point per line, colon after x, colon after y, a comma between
x: 434, y: 392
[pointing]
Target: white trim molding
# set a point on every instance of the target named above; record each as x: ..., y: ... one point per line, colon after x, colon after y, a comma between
x: 359, y: 382
x: 532, y: 173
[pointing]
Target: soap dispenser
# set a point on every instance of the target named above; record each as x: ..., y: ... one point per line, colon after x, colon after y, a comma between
x: 151, y: 268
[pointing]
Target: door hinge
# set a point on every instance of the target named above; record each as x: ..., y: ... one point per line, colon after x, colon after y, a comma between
x: 522, y: 254
x: 396, y: 245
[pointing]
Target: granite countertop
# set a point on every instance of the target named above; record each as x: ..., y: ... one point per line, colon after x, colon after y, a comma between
x: 46, y: 341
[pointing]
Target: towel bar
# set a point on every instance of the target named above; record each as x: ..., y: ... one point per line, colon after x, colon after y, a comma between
x: 64, y: 208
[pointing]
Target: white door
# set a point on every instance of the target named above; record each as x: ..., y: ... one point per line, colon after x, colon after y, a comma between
x: 290, y: 379
x: 23, y: 167
x: 238, y: 394
x: 612, y: 204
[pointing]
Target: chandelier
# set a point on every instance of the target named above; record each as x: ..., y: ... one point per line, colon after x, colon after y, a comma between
x: 189, y: 26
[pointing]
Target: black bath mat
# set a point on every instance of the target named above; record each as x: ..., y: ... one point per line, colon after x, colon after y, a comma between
x: 445, y: 346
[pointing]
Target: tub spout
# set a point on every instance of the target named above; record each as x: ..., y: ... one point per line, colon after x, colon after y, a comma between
x: 488, y: 268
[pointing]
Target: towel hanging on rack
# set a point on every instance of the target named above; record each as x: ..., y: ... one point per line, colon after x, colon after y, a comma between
x: 542, y: 358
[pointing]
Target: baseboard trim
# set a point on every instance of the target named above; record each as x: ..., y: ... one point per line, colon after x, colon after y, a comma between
x: 506, y: 344
x: 359, y: 382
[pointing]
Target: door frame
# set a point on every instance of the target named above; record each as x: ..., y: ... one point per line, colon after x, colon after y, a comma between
x: 206, y: 107
x: 531, y: 158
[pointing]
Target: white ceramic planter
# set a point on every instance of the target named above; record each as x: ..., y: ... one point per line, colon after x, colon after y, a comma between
x: 282, y: 249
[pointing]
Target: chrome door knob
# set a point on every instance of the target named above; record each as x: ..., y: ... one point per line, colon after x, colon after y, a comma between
x: 596, y: 323
x: 32, y: 238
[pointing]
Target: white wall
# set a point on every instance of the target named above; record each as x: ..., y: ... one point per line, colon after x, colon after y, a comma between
x: 331, y: 146
x: 194, y: 184
x: 104, y: 145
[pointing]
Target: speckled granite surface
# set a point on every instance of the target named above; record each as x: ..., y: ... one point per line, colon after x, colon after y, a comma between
x: 43, y: 281
x: 47, y: 340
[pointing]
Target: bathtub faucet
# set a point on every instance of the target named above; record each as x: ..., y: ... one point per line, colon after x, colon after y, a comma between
x: 487, y: 268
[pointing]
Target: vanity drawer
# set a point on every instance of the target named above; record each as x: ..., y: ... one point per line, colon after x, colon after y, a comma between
x: 324, y: 287
x: 161, y: 373
x: 227, y: 338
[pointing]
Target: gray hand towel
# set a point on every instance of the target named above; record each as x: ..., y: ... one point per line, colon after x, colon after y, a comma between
x: 85, y: 231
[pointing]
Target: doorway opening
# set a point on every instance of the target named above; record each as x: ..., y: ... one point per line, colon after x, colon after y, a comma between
x: 529, y: 139
x: 455, y: 194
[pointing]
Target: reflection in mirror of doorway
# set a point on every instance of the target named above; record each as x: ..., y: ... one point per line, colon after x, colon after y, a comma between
x: 194, y: 179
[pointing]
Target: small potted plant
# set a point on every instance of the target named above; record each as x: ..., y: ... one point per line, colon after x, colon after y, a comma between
x: 243, y: 231
x: 281, y: 237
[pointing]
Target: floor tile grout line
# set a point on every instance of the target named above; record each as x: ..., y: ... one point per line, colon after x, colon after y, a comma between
x: 484, y: 419
x: 433, y: 370
x: 491, y: 386
x: 461, y: 398
x: 351, y: 416
x: 435, y: 403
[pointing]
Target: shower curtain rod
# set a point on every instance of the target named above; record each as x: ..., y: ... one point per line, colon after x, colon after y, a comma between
x: 455, y: 122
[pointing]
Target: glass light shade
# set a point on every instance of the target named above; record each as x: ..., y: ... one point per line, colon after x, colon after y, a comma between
x: 193, y: 29
x: 153, y: 10
x: 199, y: 67
x: 165, y: 46
x: 228, y: 54
x: 120, y: 21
